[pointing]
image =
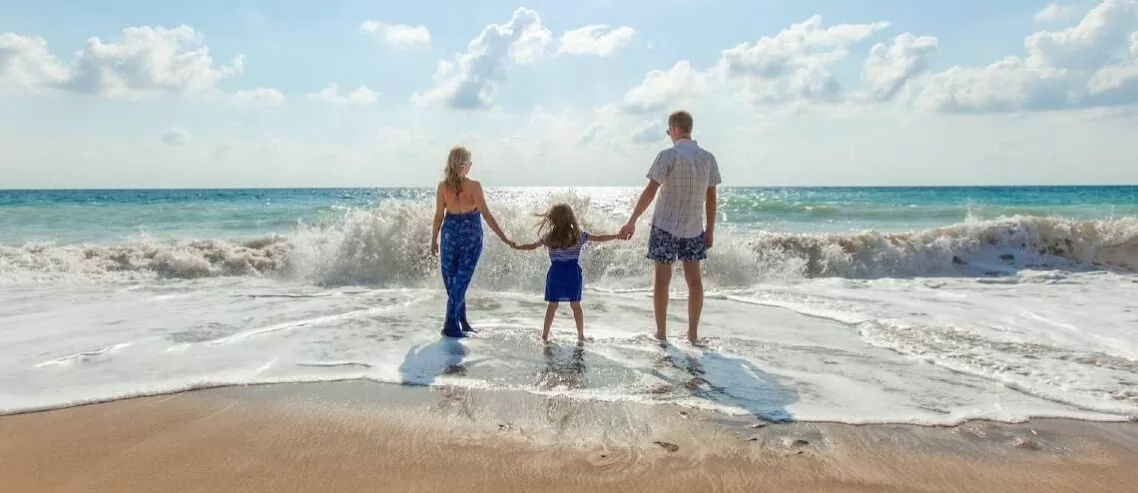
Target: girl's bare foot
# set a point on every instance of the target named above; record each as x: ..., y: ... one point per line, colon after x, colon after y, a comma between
x: 545, y: 335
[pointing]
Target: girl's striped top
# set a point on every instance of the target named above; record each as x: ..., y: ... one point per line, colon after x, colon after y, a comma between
x: 569, y: 254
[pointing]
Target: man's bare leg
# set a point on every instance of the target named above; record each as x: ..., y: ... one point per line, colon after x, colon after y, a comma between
x: 660, y: 298
x: 694, y: 278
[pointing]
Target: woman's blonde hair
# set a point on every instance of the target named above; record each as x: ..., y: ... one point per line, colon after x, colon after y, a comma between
x: 452, y: 175
x: 559, y: 227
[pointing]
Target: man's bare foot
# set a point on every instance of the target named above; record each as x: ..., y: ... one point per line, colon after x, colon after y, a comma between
x: 661, y: 336
x: 580, y: 341
x: 695, y: 341
x: 545, y: 335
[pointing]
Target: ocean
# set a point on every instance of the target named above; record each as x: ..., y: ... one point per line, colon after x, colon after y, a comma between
x: 858, y: 305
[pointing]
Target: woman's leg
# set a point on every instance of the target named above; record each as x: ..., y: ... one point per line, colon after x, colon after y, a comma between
x: 450, y: 252
x: 470, y: 250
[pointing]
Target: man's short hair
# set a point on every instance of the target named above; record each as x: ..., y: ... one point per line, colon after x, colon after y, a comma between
x: 681, y: 120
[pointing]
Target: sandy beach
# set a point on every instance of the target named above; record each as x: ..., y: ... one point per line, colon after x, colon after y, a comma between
x: 355, y: 436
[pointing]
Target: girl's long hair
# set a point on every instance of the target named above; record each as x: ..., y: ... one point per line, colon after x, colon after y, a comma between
x: 559, y: 227
x: 452, y: 175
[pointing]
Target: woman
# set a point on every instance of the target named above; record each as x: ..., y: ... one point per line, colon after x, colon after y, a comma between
x: 463, y: 203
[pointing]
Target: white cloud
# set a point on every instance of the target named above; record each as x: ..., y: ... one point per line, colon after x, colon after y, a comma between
x: 146, y: 60
x: 532, y: 44
x: 176, y: 137
x: 397, y: 34
x: 1076, y: 67
x: 260, y: 97
x: 1118, y: 81
x: 597, y: 39
x: 660, y: 89
x: 648, y: 133
x: 471, y: 81
x: 362, y: 96
x: 25, y: 62
x: 794, y: 64
x: 1056, y: 13
x: 890, y: 67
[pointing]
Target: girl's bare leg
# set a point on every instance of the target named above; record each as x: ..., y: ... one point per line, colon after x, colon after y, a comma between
x: 579, y: 317
x: 550, y: 311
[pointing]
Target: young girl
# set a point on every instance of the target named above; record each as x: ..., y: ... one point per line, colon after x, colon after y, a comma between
x: 563, y: 238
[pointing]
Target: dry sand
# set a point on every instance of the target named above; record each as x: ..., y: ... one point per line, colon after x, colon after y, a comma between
x: 356, y: 437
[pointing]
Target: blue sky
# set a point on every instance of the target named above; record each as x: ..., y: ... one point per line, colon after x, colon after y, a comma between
x: 838, y: 92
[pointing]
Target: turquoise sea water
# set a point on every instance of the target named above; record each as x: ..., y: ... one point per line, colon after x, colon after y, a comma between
x: 111, y: 216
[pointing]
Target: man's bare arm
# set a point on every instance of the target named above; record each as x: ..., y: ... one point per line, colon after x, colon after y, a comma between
x: 646, y: 198
x: 710, y: 207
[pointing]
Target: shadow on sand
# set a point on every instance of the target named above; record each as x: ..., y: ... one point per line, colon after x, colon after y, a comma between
x: 730, y: 381
x: 424, y: 363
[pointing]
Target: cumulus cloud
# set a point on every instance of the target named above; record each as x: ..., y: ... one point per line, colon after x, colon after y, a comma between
x: 397, y: 34
x: 25, y: 62
x: 648, y: 133
x: 661, y: 89
x: 796, y: 63
x: 176, y: 137
x: 260, y: 97
x: 1055, y: 13
x: 597, y: 39
x: 890, y: 67
x: 1077, y: 67
x: 143, y: 61
x: 362, y: 96
x: 1118, y: 83
x: 471, y: 80
x: 533, y: 42
x: 146, y: 60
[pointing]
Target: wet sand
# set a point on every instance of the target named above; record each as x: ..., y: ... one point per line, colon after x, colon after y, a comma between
x: 357, y: 437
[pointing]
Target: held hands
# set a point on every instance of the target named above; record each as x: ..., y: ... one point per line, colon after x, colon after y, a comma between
x: 627, y: 231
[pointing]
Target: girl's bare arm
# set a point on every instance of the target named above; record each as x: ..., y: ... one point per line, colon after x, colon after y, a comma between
x: 593, y: 237
x: 530, y: 246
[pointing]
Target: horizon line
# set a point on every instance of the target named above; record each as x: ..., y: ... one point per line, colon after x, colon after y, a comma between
x: 110, y: 189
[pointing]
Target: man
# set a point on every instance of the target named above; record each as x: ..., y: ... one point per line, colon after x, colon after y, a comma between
x: 685, y: 176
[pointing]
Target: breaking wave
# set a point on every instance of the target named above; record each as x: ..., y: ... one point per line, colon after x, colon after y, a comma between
x: 388, y: 245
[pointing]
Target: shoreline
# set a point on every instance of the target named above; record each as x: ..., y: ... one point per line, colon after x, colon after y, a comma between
x: 365, y: 436
x: 259, y: 387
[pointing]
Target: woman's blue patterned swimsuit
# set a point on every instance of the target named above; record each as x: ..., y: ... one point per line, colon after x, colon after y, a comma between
x: 459, y: 251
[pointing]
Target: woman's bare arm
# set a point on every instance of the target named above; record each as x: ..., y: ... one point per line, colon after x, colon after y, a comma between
x: 440, y: 206
x: 480, y: 201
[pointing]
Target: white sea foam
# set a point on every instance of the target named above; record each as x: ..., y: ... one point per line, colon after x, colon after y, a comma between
x: 388, y: 246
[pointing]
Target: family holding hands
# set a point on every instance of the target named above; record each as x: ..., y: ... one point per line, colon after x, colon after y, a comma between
x: 683, y: 178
